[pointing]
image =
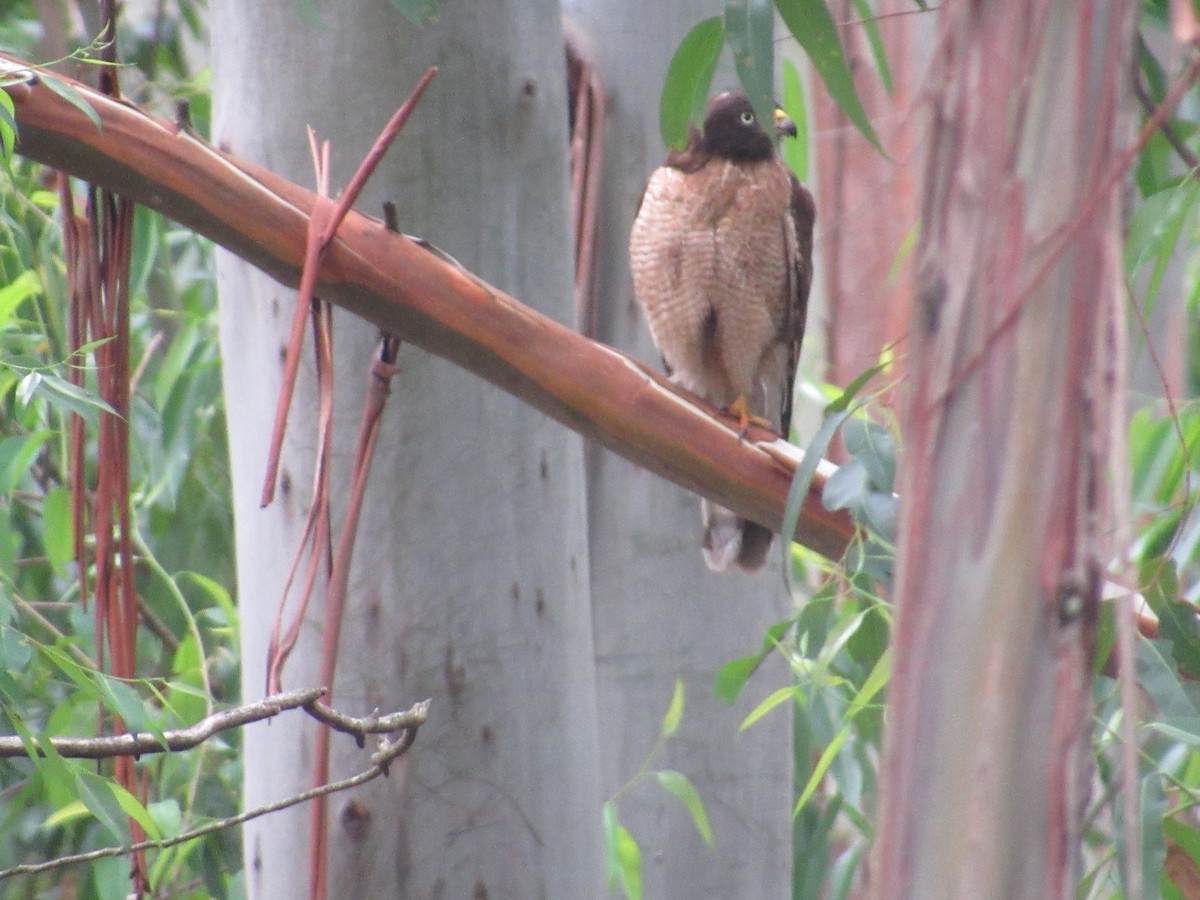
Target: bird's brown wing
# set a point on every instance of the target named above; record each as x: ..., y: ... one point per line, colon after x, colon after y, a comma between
x: 803, y: 213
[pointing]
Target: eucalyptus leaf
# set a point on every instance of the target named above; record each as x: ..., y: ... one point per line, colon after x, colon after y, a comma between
x: 875, y: 448
x: 99, y: 796
x: 670, y: 722
x: 58, y: 533
x: 821, y: 768
x: 813, y: 28
x: 689, y: 79
x: 791, y: 692
x: 750, y: 34
x: 133, y: 808
x: 8, y: 126
x: 71, y: 94
x: 623, y: 856
x: 732, y: 676
x: 870, y: 25
x: 679, y: 785
x: 880, y: 513
x: 67, y: 397
x: 1177, y: 618
x: 795, y: 150
x: 835, y: 414
x: 17, y: 291
x: 847, y: 487
x: 1154, y: 849
x: 16, y: 455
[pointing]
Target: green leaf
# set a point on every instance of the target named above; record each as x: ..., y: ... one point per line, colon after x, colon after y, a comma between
x: 1177, y: 618
x: 58, y: 531
x: 175, y: 362
x: 14, y: 657
x: 17, y: 291
x: 679, y: 785
x: 821, y: 767
x: 1106, y: 637
x: 64, y: 815
x: 1185, y: 838
x: 132, y: 807
x: 1185, y: 731
x: 417, y: 11
x: 79, y: 355
x: 99, y: 796
x: 8, y: 126
x: 9, y: 542
x: 813, y: 28
x: 875, y: 448
x: 782, y: 695
x: 1154, y: 848
x: 847, y: 487
x: 750, y: 33
x: 1155, y: 230
x: 168, y: 817
x: 16, y: 455
x: 118, y: 697
x: 1161, y: 682
x: 27, y: 388
x: 122, y: 700
x: 61, y: 394
x: 870, y: 25
x: 689, y: 79
x: 732, y: 676
x: 795, y: 150
x: 69, y: 93
x: 55, y: 773
x: 670, y: 722
x: 875, y: 682
x: 835, y: 414
x: 624, y: 857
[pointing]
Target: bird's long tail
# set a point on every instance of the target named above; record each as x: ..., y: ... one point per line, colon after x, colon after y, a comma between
x: 731, y: 542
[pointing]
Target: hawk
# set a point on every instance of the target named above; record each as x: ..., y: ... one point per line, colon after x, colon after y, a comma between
x: 721, y: 253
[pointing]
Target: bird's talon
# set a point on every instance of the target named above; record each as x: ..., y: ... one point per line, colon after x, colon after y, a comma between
x: 740, y: 410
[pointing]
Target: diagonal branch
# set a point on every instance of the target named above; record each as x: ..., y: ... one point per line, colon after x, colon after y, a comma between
x: 423, y: 297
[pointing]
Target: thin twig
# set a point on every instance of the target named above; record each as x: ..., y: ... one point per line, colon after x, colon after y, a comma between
x: 28, y: 609
x: 380, y: 761
x: 1149, y: 107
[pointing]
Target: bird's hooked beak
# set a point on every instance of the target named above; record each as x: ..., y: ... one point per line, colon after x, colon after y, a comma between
x: 784, y: 127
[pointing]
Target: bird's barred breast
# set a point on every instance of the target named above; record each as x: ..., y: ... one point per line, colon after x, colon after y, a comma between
x: 709, y: 269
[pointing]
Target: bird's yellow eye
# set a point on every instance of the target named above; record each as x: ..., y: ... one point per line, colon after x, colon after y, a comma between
x: 747, y: 118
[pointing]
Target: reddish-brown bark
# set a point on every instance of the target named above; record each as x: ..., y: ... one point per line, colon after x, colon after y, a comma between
x: 1015, y: 338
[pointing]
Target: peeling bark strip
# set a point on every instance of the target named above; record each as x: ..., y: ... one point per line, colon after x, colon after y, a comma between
x: 396, y: 283
x: 1008, y: 432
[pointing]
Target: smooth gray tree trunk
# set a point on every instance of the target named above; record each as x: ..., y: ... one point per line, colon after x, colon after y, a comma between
x: 659, y: 613
x: 471, y: 580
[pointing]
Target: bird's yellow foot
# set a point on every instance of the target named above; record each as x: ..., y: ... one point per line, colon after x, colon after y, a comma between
x: 740, y: 409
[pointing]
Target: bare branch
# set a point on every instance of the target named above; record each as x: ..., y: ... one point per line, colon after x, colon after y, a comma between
x: 372, y: 724
x: 387, y: 753
x: 171, y: 741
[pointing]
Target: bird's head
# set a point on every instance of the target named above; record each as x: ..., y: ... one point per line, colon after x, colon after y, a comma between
x: 732, y: 130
